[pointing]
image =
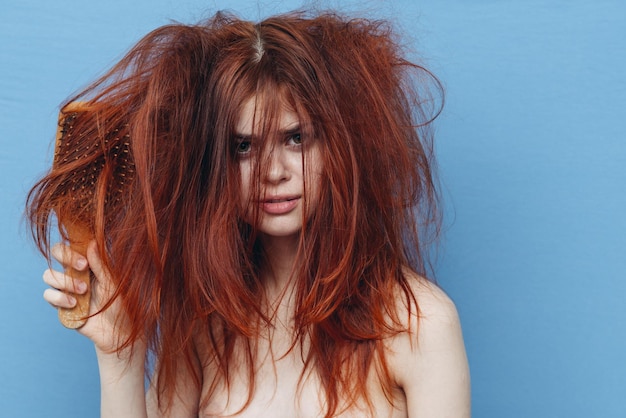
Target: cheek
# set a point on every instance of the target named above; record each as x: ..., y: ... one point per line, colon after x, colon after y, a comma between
x: 245, y: 173
x: 314, y: 173
x: 314, y: 184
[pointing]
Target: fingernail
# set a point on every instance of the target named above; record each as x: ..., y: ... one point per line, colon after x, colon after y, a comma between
x: 81, y: 263
x: 80, y: 286
x: 71, y: 300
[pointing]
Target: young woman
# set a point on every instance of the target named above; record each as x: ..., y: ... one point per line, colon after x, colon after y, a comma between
x: 260, y: 198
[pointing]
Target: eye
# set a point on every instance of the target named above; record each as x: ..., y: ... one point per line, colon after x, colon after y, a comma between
x: 243, y: 147
x: 295, y: 139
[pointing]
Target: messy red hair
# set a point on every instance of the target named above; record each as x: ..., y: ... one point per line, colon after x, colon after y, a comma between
x: 175, y: 243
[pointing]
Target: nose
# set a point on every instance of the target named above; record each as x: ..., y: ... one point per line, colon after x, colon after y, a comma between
x: 276, y: 169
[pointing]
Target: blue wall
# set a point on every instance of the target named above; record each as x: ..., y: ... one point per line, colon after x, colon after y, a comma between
x: 532, y: 157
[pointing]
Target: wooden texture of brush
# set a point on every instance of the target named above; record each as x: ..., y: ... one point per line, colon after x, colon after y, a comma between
x: 86, y: 157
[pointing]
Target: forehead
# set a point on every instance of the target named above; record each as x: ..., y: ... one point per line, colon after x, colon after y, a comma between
x: 257, y: 115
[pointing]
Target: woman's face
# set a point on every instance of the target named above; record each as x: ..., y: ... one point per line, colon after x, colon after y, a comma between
x: 281, y: 201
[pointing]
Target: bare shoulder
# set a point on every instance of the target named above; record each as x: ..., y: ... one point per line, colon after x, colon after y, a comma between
x: 434, y: 305
x: 429, y: 362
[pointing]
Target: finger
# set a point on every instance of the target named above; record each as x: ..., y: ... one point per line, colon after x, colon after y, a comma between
x: 62, y: 281
x: 98, y: 268
x: 59, y: 299
x: 103, y: 287
x: 94, y: 261
x: 67, y: 257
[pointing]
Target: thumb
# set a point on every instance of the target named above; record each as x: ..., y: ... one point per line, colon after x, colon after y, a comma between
x: 103, y: 287
x: 93, y: 258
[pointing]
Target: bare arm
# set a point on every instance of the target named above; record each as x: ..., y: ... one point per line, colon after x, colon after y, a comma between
x: 431, y: 365
x: 121, y: 374
x: 122, y: 384
x: 122, y: 393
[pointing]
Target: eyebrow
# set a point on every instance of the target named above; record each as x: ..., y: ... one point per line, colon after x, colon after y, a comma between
x: 296, y: 128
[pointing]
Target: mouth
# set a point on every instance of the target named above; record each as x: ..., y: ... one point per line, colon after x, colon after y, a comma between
x: 280, y: 199
x: 279, y: 205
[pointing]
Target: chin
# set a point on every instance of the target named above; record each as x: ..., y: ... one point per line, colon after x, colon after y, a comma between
x: 280, y: 230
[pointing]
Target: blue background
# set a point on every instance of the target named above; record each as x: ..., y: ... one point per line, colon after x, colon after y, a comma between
x: 532, y: 159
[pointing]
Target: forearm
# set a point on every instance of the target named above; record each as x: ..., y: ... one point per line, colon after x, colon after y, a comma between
x: 122, y: 389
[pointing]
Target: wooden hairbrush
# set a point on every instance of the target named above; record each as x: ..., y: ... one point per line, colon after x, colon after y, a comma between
x: 84, y: 158
x: 75, y: 317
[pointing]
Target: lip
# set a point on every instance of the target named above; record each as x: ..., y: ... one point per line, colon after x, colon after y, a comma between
x: 279, y: 205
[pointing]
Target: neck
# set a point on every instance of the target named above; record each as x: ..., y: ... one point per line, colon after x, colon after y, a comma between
x: 280, y: 253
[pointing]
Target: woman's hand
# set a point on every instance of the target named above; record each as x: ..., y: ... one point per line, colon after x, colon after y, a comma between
x: 104, y: 328
x: 121, y: 373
